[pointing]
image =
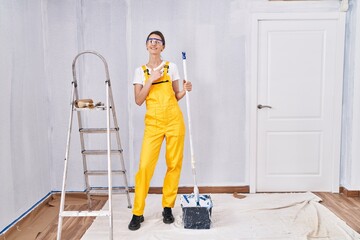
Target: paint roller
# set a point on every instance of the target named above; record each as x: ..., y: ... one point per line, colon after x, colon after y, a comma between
x: 196, y: 208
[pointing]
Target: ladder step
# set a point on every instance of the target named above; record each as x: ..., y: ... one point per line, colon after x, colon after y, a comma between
x: 97, y: 130
x: 103, y: 172
x: 105, y: 190
x: 101, y: 152
x: 85, y: 213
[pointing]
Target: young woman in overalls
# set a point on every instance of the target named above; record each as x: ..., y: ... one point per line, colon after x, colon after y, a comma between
x: 157, y: 83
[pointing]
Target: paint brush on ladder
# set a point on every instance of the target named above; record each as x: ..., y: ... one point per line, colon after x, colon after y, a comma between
x: 196, y: 208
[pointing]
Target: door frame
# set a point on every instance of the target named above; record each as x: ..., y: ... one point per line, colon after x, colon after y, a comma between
x: 252, y: 86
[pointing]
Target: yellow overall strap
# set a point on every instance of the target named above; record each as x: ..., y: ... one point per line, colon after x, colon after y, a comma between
x: 146, y: 72
x: 166, y: 68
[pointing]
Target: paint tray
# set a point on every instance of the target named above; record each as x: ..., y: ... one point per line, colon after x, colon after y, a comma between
x: 196, y: 216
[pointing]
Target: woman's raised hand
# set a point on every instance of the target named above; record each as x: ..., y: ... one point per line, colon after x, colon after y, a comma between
x: 155, y: 75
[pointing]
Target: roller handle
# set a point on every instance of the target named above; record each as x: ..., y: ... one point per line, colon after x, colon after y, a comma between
x: 196, y: 189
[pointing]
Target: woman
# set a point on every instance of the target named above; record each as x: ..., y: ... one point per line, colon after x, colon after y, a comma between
x: 157, y: 83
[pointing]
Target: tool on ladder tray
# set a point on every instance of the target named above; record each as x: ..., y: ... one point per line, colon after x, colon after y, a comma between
x: 196, y: 208
x: 80, y: 106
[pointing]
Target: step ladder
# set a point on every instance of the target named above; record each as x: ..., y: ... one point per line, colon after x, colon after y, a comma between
x: 109, y: 108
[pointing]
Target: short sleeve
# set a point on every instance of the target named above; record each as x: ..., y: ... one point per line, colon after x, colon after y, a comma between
x: 139, y: 76
x: 173, y: 72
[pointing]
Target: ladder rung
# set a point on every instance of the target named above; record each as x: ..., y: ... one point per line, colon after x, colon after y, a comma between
x: 101, y: 152
x: 105, y: 190
x: 85, y: 213
x: 103, y: 172
x: 97, y: 130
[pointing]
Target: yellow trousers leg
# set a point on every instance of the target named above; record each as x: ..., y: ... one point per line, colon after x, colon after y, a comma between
x: 174, y: 157
x: 148, y: 158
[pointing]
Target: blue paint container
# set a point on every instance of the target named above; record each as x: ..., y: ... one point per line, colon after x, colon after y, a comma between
x: 196, y: 215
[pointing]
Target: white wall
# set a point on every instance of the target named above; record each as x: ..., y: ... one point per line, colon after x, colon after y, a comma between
x: 118, y: 29
x: 25, y: 149
x: 38, y: 42
x: 72, y: 27
x: 214, y: 41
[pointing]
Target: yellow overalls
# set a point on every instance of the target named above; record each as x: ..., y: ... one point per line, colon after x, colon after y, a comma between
x: 163, y: 119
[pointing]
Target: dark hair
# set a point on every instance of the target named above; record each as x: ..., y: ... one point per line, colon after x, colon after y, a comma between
x: 157, y: 33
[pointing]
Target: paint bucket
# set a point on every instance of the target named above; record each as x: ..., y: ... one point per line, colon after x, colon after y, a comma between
x: 196, y: 215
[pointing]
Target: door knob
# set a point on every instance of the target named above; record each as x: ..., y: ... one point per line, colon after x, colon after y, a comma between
x: 263, y: 106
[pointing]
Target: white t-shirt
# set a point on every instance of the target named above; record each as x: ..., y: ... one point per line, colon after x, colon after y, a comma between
x: 139, y: 77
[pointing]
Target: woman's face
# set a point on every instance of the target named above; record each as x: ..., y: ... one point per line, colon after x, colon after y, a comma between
x: 154, y: 44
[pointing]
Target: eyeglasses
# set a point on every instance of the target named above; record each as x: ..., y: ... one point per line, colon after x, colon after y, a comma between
x: 155, y: 41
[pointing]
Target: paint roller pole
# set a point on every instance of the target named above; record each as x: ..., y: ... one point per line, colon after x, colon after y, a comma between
x: 196, y: 189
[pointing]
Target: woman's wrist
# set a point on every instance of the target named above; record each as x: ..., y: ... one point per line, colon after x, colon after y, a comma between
x: 180, y: 94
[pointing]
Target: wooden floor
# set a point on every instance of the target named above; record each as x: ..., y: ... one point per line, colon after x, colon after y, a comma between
x: 42, y: 222
x: 346, y: 208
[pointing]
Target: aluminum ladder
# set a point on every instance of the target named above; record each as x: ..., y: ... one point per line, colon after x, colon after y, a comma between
x: 109, y: 108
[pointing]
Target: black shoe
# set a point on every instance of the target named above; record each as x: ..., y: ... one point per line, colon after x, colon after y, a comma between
x: 168, y: 217
x: 135, y: 222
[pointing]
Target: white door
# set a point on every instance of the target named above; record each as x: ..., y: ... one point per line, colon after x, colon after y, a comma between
x: 299, y: 94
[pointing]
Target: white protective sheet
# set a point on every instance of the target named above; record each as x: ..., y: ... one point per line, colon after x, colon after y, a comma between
x: 258, y: 216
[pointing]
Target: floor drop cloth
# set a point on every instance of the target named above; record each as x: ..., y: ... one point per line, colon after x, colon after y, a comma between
x: 258, y: 216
